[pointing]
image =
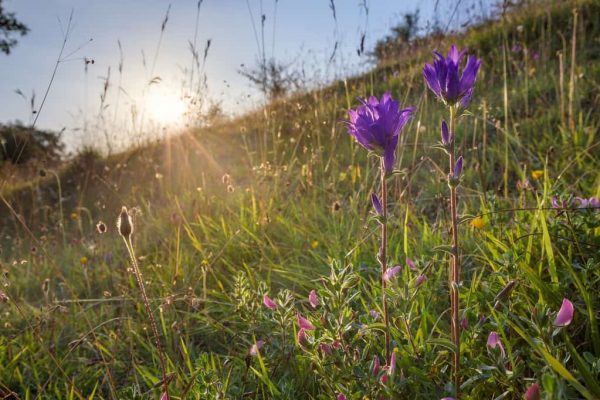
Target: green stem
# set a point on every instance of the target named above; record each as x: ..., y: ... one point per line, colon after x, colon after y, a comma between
x: 383, y: 259
x: 455, y: 261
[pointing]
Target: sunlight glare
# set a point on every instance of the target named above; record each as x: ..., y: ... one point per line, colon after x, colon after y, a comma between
x: 166, y: 109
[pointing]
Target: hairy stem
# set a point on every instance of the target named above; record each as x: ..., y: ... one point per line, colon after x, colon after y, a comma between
x: 383, y: 259
x: 140, y: 281
x: 455, y: 261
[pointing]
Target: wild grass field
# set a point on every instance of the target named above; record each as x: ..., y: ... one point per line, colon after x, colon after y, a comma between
x: 235, y: 225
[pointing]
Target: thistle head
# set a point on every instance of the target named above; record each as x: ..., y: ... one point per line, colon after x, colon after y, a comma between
x: 124, y: 223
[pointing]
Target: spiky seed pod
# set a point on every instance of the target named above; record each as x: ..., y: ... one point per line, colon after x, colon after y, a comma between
x: 124, y: 223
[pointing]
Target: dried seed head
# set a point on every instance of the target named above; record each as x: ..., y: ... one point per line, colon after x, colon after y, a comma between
x: 3, y: 297
x: 42, y: 172
x: 124, y: 223
x: 46, y: 286
x: 335, y: 206
x: 230, y: 189
x: 226, y: 179
x: 101, y: 227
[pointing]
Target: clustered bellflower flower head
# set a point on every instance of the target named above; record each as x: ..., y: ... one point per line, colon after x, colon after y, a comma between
x: 445, y: 80
x: 376, y: 126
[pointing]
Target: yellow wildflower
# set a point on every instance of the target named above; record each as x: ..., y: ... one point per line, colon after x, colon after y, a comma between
x: 537, y: 173
x: 478, y: 223
x: 314, y: 244
x: 83, y: 260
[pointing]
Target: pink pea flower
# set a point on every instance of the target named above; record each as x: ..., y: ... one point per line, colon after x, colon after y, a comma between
x: 494, y: 341
x: 565, y: 314
x: 302, y: 339
x: 256, y: 347
x: 410, y: 263
x: 392, y: 366
x: 312, y: 298
x: 533, y: 392
x: 303, y: 323
x: 420, y: 279
x: 341, y: 396
x: 464, y: 323
x: 376, y: 366
x: 270, y: 304
x: 391, y: 272
x: 325, y: 348
x: 164, y: 396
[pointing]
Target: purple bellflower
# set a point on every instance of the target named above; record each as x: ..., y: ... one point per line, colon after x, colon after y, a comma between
x: 376, y: 126
x: 445, y: 81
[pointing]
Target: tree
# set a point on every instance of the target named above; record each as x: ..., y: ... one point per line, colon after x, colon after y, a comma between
x: 9, y: 27
x: 20, y: 144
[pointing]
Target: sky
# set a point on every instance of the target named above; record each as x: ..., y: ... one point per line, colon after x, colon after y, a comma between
x: 298, y: 33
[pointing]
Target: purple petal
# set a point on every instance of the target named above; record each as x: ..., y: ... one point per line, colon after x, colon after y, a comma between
x: 594, y: 202
x: 391, y: 272
x: 469, y: 74
x: 431, y: 79
x: 389, y: 154
x: 533, y: 392
x: 565, y: 314
x: 374, y: 314
x: 410, y: 263
x: 312, y: 298
x: 376, y: 204
x: 445, y: 134
x: 420, y: 279
x: 303, y: 323
x: 341, y: 396
x: 270, y: 304
x: 458, y: 167
x: 555, y: 203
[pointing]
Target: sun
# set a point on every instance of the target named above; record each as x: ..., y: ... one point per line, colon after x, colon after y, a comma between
x: 165, y: 108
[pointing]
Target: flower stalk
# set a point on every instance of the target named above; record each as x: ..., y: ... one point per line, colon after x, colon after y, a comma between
x: 383, y: 259
x: 455, y: 256
x: 125, y: 228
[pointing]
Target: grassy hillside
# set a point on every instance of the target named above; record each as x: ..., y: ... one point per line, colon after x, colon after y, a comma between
x: 277, y: 202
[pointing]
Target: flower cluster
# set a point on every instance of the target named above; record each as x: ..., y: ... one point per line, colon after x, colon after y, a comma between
x: 376, y: 126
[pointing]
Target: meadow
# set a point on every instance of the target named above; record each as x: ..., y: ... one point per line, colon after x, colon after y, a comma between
x: 258, y: 242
